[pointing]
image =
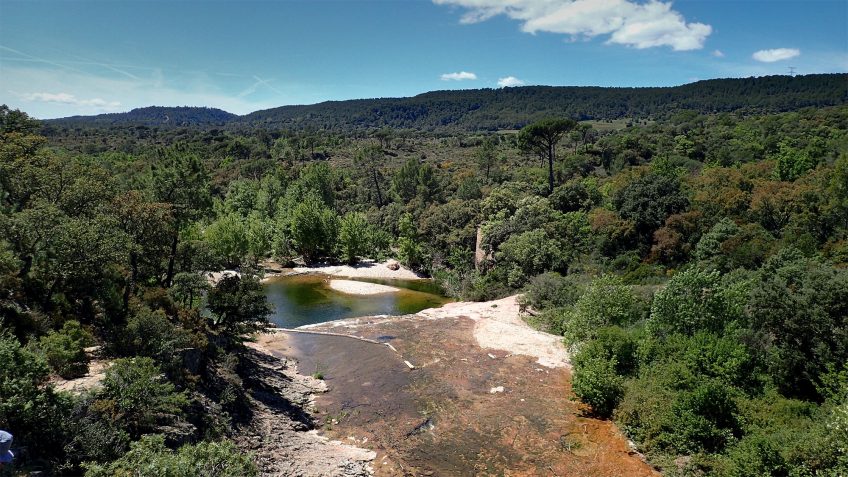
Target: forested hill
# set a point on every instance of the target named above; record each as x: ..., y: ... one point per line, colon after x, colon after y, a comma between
x: 179, y: 116
x: 507, y: 108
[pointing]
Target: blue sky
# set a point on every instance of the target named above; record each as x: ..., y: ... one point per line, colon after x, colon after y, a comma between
x: 60, y: 58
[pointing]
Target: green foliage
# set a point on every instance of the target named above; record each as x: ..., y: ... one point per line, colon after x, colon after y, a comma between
x: 694, y: 300
x: 597, y: 384
x: 227, y: 238
x: 136, y: 396
x: 649, y: 200
x: 542, y: 137
x: 64, y: 349
x: 552, y: 290
x: 353, y: 237
x: 410, y: 252
x: 802, y: 306
x: 150, y: 333
x: 606, y: 301
x: 28, y: 405
x: 314, y: 228
x: 150, y: 458
x: 239, y: 308
x: 792, y: 163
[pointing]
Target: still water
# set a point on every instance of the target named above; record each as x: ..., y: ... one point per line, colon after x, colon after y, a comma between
x: 307, y: 299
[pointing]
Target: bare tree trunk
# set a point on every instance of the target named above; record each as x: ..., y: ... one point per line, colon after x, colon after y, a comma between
x: 169, y: 278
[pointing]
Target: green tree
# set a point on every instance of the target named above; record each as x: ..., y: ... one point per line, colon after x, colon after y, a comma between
x: 696, y: 299
x: 239, y: 308
x: 28, y: 404
x: 405, y: 180
x: 487, y: 158
x: 410, y: 252
x: 135, y: 394
x: 597, y: 384
x: 606, y: 301
x: 353, y: 236
x: 314, y: 228
x: 179, y: 178
x: 802, y: 306
x: 649, y: 200
x: 370, y: 158
x: 228, y: 239
x: 542, y: 138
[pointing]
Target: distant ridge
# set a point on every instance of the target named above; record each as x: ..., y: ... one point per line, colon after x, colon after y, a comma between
x: 505, y: 108
x: 167, y: 116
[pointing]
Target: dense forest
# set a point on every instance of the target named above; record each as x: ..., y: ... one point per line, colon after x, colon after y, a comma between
x: 696, y: 264
x: 505, y: 108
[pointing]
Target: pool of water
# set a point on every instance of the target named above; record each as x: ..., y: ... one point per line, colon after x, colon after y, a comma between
x: 308, y: 299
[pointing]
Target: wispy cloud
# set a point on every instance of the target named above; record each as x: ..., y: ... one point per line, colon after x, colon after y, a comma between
x: 776, y: 54
x: 255, y: 86
x: 67, y: 98
x: 510, y: 81
x: 718, y: 53
x: 627, y: 22
x: 459, y: 76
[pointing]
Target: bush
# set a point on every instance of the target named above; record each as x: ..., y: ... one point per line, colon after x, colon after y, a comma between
x: 135, y: 395
x: 65, y: 350
x: 28, y: 406
x: 696, y: 300
x: 615, y: 344
x: 802, y: 306
x: 552, y: 290
x: 151, y: 334
x: 150, y: 458
x: 606, y: 301
x: 597, y: 384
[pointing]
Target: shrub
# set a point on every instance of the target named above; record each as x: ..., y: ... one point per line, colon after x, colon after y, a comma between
x: 802, y: 306
x: 606, y: 301
x: 150, y: 458
x: 65, y: 350
x: 28, y: 406
x: 552, y: 290
x: 136, y: 395
x: 612, y: 343
x: 696, y: 300
x: 151, y: 334
x: 597, y: 384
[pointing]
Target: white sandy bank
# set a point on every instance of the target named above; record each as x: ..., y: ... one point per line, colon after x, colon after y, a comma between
x: 498, y: 325
x: 360, y: 288
x: 363, y: 269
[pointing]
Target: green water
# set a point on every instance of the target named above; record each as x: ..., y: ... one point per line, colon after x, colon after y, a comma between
x: 308, y: 299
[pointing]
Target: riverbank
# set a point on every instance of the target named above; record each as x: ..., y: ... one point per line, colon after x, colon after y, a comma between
x: 352, y: 287
x: 464, y: 389
x: 389, y: 270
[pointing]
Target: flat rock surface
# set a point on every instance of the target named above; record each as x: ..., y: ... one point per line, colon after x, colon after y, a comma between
x: 472, y: 403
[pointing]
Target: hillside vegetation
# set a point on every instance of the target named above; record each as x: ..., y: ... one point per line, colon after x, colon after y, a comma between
x: 506, y: 108
x: 697, y: 265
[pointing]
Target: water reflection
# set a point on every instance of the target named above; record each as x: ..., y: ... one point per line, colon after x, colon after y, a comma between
x: 307, y: 299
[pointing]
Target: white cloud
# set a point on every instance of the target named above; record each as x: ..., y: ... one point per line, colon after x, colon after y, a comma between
x: 776, y: 54
x: 53, y: 92
x: 67, y: 98
x: 718, y: 53
x: 510, y: 81
x: 460, y: 76
x: 639, y: 25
